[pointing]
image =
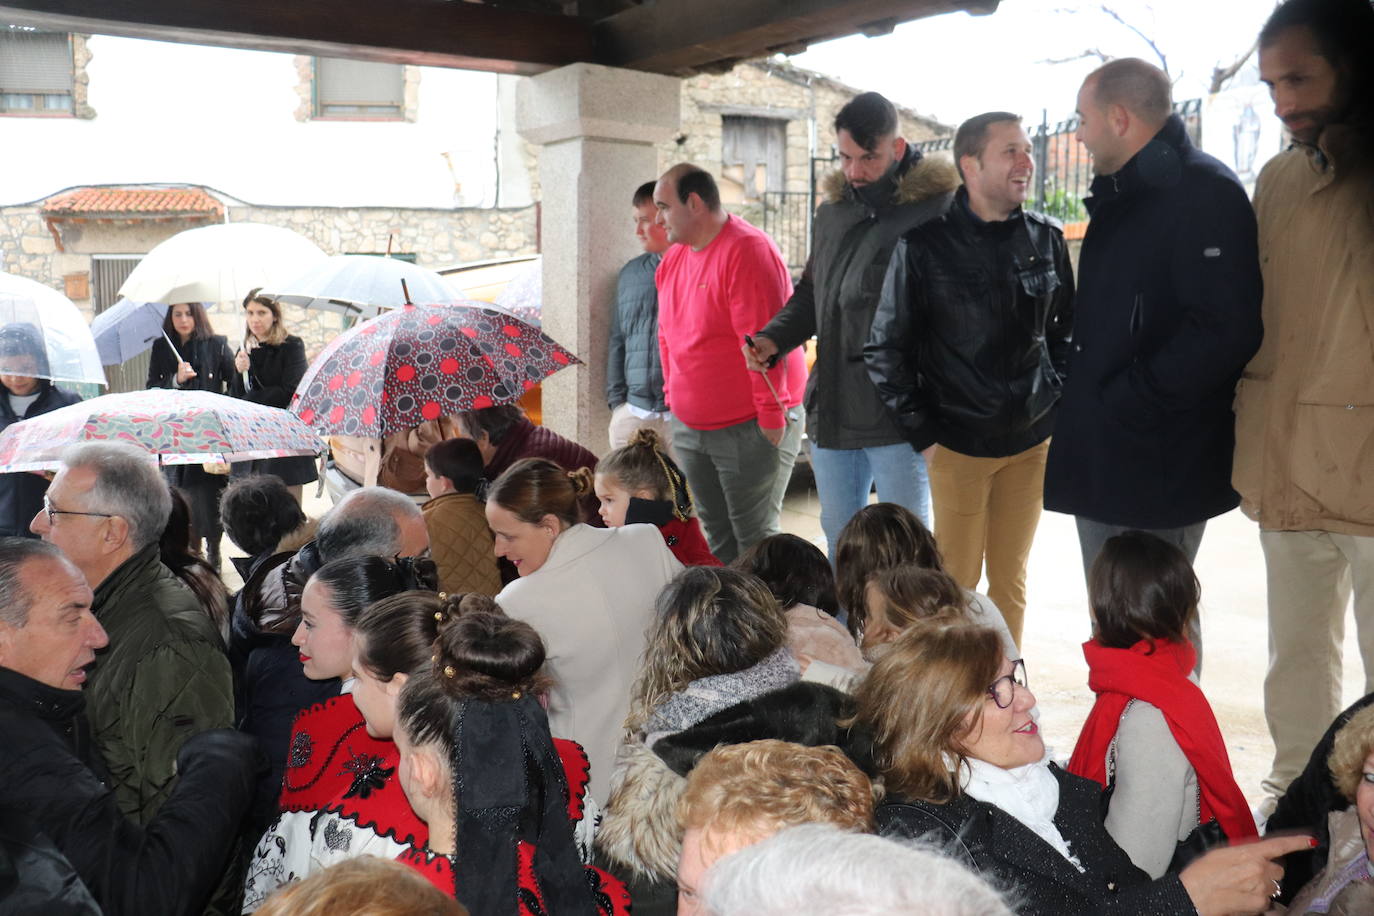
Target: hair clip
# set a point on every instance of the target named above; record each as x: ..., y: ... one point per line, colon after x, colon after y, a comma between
x: 450, y: 671
x: 434, y: 659
x: 439, y: 616
x: 443, y: 596
x: 515, y: 695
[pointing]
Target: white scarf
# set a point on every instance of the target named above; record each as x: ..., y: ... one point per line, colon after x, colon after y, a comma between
x: 1028, y: 793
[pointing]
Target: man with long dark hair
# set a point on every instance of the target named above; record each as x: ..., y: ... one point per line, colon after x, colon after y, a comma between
x: 1305, y: 406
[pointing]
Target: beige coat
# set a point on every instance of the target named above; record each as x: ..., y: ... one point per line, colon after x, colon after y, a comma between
x: 461, y: 544
x: 593, y: 601
x: 1305, y: 405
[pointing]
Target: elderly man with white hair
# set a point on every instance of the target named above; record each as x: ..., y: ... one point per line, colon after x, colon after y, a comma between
x: 821, y: 869
x: 164, y: 676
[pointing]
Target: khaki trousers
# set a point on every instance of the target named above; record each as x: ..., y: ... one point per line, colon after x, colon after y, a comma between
x: 1311, y: 575
x: 624, y: 423
x: 988, y: 509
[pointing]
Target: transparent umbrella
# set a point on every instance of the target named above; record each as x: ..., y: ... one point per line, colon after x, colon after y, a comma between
x: 219, y: 263
x: 43, y: 335
x: 364, y: 285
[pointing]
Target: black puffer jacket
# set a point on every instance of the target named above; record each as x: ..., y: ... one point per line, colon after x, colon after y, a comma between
x: 971, y: 337
x: 171, y: 865
x: 21, y: 495
x: 1169, y: 296
x: 839, y: 291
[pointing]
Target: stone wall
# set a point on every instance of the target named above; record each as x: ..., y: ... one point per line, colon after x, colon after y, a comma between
x: 767, y: 88
x: 437, y: 238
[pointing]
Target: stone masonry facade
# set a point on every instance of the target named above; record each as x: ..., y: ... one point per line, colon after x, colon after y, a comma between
x: 805, y: 101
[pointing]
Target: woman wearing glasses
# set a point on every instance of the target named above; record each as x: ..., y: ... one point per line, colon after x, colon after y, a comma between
x: 959, y: 749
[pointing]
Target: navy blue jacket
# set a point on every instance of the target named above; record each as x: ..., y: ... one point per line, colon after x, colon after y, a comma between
x: 1167, y: 314
x: 21, y: 495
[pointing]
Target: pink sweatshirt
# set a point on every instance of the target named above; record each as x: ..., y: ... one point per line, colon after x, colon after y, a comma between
x: 707, y: 301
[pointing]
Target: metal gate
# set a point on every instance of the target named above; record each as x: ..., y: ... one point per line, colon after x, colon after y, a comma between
x: 108, y: 273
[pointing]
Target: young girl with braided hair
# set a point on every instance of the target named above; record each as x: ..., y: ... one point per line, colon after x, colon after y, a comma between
x: 497, y: 792
x: 640, y: 484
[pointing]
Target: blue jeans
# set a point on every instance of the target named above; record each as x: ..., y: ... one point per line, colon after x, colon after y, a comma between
x: 844, y: 477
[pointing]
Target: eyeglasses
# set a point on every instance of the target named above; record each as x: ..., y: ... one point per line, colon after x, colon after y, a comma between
x: 1003, y: 690
x: 53, y: 513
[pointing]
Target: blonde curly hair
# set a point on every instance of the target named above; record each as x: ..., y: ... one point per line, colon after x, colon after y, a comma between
x: 761, y: 787
x: 1354, y: 743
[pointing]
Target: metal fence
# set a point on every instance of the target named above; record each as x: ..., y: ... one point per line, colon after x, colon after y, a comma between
x: 1063, y: 164
x: 787, y: 216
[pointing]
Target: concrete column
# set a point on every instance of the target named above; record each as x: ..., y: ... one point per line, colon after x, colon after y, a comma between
x: 597, y: 126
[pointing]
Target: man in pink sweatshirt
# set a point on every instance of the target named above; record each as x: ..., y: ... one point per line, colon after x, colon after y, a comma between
x: 736, y: 438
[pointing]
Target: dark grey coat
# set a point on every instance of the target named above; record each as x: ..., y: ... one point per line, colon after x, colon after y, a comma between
x: 634, y: 366
x: 838, y: 294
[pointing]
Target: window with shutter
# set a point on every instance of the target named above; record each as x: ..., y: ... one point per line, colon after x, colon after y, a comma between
x: 36, y: 72
x: 754, y: 153
x: 358, y: 89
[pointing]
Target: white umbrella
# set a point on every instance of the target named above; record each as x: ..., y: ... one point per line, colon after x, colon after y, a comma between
x: 219, y: 263
x: 364, y: 285
x: 43, y: 334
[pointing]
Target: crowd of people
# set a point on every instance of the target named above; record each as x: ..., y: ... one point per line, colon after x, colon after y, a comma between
x: 569, y: 684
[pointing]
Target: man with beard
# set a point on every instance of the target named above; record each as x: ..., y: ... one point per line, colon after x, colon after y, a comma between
x: 1167, y: 314
x: 883, y: 189
x: 1305, y: 407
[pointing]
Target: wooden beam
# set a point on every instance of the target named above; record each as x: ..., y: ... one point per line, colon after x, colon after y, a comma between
x: 424, y: 32
x: 683, y: 36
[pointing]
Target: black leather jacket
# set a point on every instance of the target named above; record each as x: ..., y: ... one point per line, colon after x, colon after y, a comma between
x: 969, y: 344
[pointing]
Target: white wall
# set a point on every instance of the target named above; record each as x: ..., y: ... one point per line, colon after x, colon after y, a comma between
x: 226, y: 118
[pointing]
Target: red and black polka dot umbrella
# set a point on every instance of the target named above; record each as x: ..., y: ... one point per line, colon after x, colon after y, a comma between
x: 421, y: 362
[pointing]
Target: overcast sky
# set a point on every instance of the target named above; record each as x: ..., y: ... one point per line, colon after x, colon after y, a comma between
x: 953, y: 66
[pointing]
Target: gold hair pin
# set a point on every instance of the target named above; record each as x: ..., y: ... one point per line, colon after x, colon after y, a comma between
x: 450, y: 671
x: 515, y: 695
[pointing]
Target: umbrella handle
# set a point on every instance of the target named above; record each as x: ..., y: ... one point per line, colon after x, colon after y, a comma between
x: 173, y: 346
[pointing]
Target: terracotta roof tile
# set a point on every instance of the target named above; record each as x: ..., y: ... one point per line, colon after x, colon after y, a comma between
x: 134, y: 202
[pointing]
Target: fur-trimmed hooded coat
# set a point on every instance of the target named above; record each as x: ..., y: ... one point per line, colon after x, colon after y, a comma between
x: 639, y: 840
x: 838, y: 293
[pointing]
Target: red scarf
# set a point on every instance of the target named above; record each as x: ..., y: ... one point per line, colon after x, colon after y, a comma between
x: 1160, y: 678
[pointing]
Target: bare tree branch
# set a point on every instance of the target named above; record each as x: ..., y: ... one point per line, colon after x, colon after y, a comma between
x: 1090, y: 52
x: 1223, y: 75
x: 1163, y: 60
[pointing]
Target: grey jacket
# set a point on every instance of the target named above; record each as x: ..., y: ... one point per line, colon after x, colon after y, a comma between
x: 838, y: 294
x: 634, y: 368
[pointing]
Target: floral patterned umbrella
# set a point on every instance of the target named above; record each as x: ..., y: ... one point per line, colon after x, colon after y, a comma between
x: 179, y: 427
x: 422, y: 362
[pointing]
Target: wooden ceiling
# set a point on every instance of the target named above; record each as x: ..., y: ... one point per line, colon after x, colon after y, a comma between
x: 678, y: 37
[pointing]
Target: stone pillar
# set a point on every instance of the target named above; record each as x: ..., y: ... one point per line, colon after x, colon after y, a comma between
x: 597, y: 126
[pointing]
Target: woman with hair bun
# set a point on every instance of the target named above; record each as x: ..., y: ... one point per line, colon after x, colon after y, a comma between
x: 336, y: 795
x: 588, y: 591
x: 497, y: 792
x: 641, y: 484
